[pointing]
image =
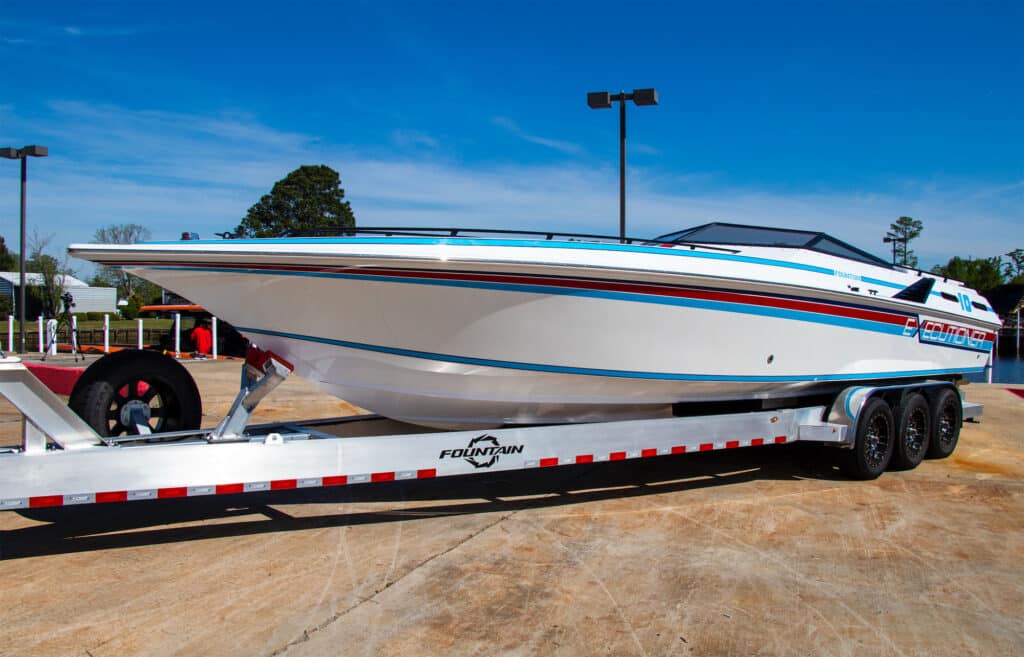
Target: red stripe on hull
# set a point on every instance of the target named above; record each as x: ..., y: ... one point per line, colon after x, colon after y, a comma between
x: 741, y: 298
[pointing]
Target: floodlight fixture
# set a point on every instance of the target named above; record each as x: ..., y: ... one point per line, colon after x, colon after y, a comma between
x: 645, y: 96
x: 603, y: 100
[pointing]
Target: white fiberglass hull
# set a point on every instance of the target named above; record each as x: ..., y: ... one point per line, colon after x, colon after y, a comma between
x: 472, y: 344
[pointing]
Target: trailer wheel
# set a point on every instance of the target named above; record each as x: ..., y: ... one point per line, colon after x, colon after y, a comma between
x: 947, y: 417
x: 132, y: 385
x: 913, y: 431
x: 874, y: 441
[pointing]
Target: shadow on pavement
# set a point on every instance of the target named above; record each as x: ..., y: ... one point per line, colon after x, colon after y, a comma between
x: 131, y: 524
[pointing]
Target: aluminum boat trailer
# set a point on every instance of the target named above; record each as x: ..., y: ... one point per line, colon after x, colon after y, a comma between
x: 64, y: 461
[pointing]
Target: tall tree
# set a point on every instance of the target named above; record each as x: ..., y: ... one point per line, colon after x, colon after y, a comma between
x: 981, y: 274
x: 309, y: 198
x: 904, y: 231
x: 53, y: 271
x: 122, y: 234
x: 1014, y: 270
x: 125, y: 283
x: 8, y: 260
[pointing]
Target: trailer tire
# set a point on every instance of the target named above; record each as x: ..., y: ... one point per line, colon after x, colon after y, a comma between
x: 947, y: 417
x: 913, y: 432
x: 157, y: 386
x: 873, y: 448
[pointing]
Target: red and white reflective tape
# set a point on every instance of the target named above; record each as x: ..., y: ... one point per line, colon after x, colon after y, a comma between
x: 41, y: 501
x: 661, y: 451
x: 102, y: 497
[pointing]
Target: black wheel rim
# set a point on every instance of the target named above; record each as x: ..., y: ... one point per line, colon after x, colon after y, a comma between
x: 876, y: 441
x: 945, y: 429
x: 157, y: 401
x: 913, y: 437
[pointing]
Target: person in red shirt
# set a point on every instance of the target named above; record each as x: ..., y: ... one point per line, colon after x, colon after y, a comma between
x: 202, y: 337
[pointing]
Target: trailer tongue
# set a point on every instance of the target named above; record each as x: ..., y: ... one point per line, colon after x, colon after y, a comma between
x: 63, y: 460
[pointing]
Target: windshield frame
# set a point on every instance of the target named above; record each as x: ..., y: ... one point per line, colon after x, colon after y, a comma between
x: 788, y: 238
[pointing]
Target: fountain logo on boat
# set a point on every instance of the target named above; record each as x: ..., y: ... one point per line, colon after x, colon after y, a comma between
x: 482, y: 451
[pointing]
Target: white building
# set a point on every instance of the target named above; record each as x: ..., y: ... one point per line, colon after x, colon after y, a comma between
x: 86, y: 299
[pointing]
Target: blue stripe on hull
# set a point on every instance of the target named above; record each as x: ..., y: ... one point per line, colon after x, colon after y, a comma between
x: 625, y: 374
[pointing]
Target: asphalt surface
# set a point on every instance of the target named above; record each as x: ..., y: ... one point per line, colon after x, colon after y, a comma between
x: 762, y: 551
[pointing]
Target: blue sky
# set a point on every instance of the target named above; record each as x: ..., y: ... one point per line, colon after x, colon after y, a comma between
x: 824, y: 115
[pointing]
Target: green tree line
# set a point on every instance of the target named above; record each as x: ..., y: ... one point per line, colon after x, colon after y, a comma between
x: 985, y: 273
x: 982, y: 274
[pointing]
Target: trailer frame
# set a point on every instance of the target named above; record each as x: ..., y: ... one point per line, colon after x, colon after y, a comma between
x: 62, y: 461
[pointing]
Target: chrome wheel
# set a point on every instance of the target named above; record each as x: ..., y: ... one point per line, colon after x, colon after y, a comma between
x: 945, y: 427
x: 878, y: 441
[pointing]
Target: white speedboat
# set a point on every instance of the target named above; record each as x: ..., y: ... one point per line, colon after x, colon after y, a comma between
x: 459, y: 328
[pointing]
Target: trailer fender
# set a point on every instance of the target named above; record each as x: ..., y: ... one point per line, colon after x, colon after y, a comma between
x: 849, y: 404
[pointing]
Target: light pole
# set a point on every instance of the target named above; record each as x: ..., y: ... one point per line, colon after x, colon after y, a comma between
x: 603, y: 100
x: 23, y: 154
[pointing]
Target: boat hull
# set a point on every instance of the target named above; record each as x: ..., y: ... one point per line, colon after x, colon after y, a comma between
x: 469, y: 348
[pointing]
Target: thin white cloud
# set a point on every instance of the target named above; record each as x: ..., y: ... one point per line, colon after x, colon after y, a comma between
x: 643, y: 149
x: 412, y: 139
x: 111, y: 121
x: 35, y: 33
x: 563, y: 146
x: 100, y: 32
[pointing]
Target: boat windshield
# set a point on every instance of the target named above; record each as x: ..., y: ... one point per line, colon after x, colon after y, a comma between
x: 741, y: 235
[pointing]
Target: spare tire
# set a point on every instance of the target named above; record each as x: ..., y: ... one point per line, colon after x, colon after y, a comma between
x: 131, y: 387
